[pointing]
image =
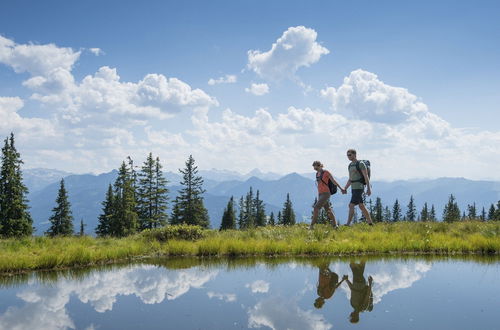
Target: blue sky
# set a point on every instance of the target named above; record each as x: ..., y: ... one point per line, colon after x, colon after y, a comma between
x: 428, y: 81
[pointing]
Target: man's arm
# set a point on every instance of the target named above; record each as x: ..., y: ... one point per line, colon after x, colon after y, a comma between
x: 367, y: 180
x: 348, y: 184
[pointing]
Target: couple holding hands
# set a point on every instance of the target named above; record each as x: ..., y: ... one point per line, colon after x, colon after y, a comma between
x: 358, y: 178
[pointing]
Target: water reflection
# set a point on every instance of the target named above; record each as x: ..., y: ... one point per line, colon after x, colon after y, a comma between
x: 277, y: 294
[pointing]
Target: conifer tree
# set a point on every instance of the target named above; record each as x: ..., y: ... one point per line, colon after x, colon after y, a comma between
x: 288, y: 216
x: 82, y: 228
x: 189, y: 202
x: 152, y: 194
x: 411, y: 213
x: 271, y: 221
x: 472, y: 211
x: 280, y: 218
x: 62, y: 218
x: 260, y: 211
x: 379, y: 211
x: 483, y: 215
x: 15, y: 220
x: 387, y: 214
x: 396, y: 211
x: 497, y: 211
x: 432, y: 214
x: 424, y: 214
x: 241, y: 214
x: 451, y: 211
x: 249, y: 210
x: 229, y: 217
x: 371, y: 209
x: 491, y: 212
x: 125, y: 218
x: 106, y: 218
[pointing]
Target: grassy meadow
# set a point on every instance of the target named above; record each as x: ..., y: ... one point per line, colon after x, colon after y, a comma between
x: 44, y: 253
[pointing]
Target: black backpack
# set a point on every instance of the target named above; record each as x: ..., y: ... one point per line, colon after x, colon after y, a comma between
x: 331, y: 186
x: 368, y: 170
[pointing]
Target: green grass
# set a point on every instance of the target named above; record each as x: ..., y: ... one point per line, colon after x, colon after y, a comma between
x: 36, y: 253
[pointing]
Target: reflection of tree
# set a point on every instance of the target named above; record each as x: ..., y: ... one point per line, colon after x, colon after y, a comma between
x: 361, y: 293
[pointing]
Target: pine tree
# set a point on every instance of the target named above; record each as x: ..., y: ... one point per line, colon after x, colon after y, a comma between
x: 483, y: 215
x: 271, y: 221
x: 241, y: 214
x: 229, y: 217
x: 432, y: 214
x: 280, y: 218
x: 82, y: 228
x: 107, y: 216
x: 62, y: 218
x: 491, y: 212
x: 472, y: 211
x: 189, y: 202
x: 15, y: 220
x: 125, y: 218
x: 411, y: 213
x: 249, y: 212
x: 497, y: 211
x: 424, y: 214
x: 396, y: 211
x: 152, y: 195
x: 451, y: 211
x: 288, y: 212
x: 260, y: 211
x: 379, y: 211
x: 387, y: 214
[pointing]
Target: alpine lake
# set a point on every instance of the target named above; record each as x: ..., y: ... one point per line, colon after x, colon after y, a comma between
x: 414, y: 292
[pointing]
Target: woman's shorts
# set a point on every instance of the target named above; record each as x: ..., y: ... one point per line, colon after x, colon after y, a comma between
x: 323, y: 200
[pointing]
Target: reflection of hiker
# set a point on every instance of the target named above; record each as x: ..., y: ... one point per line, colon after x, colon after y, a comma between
x: 322, y: 179
x: 358, y: 178
x: 361, y: 293
x: 328, y: 281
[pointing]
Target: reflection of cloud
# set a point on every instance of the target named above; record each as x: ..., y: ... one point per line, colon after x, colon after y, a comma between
x: 387, y: 277
x: 46, y: 305
x: 258, y: 286
x: 280, y: 313
x: 228, y: 297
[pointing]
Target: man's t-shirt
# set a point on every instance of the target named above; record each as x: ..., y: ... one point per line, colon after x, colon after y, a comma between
x: 323, y: 184
x: 354, y: 175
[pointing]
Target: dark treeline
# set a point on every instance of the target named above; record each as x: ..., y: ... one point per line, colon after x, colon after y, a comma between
x: 139, y: 200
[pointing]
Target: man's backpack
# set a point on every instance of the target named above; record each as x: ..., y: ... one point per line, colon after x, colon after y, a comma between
x: 368, y: 170
x: 331, y: 186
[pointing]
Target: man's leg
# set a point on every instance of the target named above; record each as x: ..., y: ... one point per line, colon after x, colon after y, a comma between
x: 365, y: 213
x: 351, y: 214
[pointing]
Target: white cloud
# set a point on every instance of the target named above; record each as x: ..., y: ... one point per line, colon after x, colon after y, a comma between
x: 96, y: 51
x: 258, y: 286
x: 281, y: 313
x: 227, y: 79
x: 258, y: 89
x: 228, y: 297
x: 296, y: 48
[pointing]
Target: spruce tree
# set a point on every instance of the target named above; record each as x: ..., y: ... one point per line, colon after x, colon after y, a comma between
x: 125, y: 219
x: 371, y: 209
x: 189, y: 202
x: 15, y: 220
x: 152, y: 194
x: 483, y: 215
x: 271, y: 221
x: 379, y: 211
x: 280, y: 218
x: 62, y: 218
x: 396, y: 211
x: 432, y: 214
x: 82, y: 228
x: 288, y: 216
x: 451, y: 211
x: 106, y: 218
x: 491, y: 212
x: 411, y: 213
x: 472, y: 211
x: 497, y: 211
x: 260, y: 211
x: 229, y: 217
x: 424, y: 214
x: 249, y: 212
x: 387, y: 214
x: 241, y: 214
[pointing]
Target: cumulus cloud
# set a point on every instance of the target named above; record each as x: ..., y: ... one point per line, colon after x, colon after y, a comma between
x: 258, y: 89
x: 96, y: 51
x: 296, y: 48
x: 228, y: 297
x: 227, y: 79
x: 258, y: 286
x: 281, y: 313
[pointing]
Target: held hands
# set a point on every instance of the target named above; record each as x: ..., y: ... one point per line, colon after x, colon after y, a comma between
x: 343, y: 191
x: 368, y: 191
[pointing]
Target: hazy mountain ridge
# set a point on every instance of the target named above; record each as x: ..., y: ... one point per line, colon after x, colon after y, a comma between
x: 87, y: 191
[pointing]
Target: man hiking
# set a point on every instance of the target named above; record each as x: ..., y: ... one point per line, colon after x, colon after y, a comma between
x: 322, y: 178
x: 357, y: 172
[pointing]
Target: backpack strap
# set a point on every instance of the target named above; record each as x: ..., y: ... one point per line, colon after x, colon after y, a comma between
x: 321, y: 177
x: 359, y: 171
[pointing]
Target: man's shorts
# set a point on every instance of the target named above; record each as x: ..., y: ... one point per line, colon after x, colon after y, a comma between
x: 323, y: 200
x: 357, y: 196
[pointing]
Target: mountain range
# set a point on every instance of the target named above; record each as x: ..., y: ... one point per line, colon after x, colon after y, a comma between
x: 87, y: 191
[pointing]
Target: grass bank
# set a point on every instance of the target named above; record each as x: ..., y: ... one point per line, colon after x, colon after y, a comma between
x: 33, y: 253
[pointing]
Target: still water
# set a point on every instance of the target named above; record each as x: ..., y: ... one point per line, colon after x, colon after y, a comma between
x: 318, y: 293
